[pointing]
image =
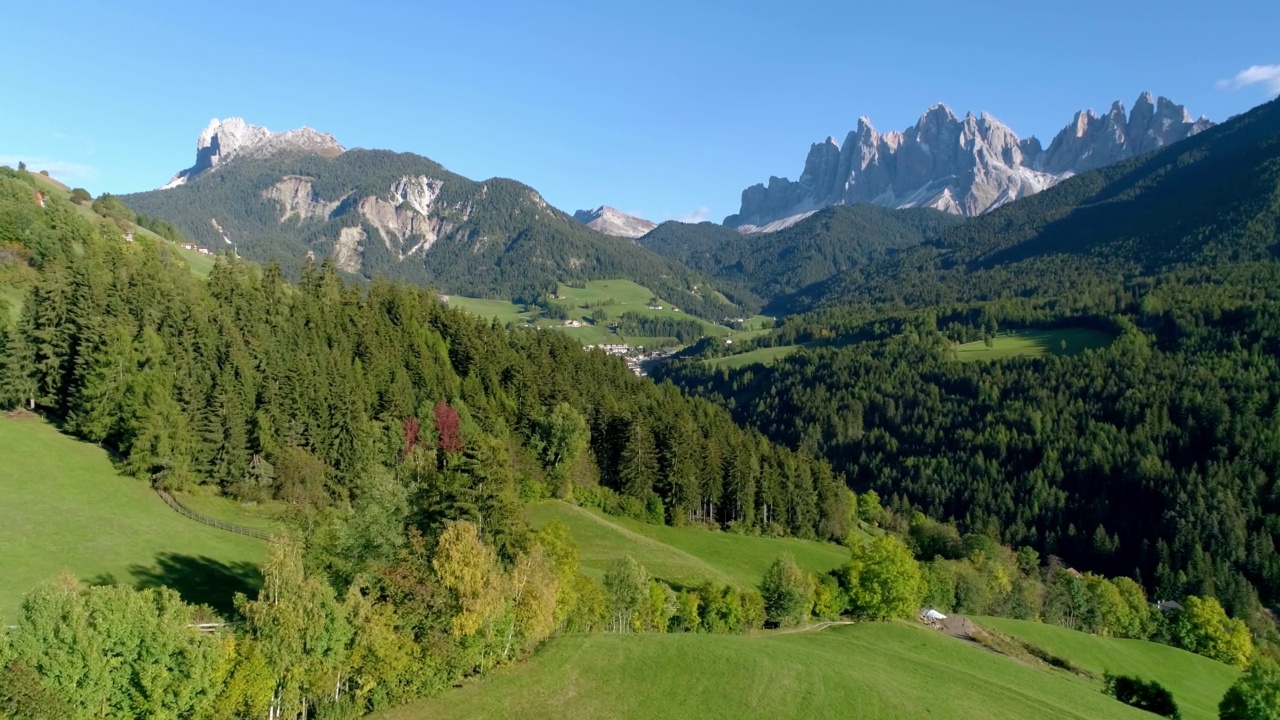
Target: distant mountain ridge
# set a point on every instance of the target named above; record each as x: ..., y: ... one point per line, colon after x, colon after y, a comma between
x: 299, y: 195
x: 964, y: 166
x: 612, y: 221
x: 1204, y: 206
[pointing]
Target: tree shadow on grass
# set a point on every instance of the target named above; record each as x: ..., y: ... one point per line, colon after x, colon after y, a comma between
x: 200, y: 580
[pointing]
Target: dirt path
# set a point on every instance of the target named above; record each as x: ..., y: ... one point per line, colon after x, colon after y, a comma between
x: 814, y: 628
x: 959, y: 627
x: 650, y: 542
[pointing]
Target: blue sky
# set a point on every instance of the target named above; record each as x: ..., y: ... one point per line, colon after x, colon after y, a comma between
x: 666, y: 109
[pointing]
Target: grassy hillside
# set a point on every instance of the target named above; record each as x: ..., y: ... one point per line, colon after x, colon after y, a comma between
x: 682, y: 556
x: 1034, y: 343
x: 614, y: 297
x: 11, y: 298
x: 201, y: 265
x: 66, y: 509
x: 1197, y: 683
x: 867, y: 671
x: 505, y: 310
x: 763, y: 356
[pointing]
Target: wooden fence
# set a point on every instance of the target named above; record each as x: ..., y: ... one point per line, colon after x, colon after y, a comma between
x: 181, y: 509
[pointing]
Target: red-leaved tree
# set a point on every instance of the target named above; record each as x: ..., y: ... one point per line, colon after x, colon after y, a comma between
x: 411, y: 427
x: 448, y: 434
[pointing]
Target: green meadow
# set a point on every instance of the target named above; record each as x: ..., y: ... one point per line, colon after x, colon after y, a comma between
x: 1034, y: 343
x: 1197, y: 683
x: 869, y: 671
x: 613, y: 297
x: 67, y: 509
x: 759, y: 356
x: 682, y: 556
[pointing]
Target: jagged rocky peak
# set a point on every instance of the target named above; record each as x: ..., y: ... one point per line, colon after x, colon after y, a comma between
x: 225, y: 139
x: 1091, y: 141
x: 963, y: 165
x: 612, y: 221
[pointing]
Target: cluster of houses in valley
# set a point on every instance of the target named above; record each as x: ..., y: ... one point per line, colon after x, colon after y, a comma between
x: 196, y: 248
x: 636, y: 358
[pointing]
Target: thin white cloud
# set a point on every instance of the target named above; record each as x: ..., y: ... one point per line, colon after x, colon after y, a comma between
x: 702, y: 214
x: 68, y: 172
x: 1267, y: 76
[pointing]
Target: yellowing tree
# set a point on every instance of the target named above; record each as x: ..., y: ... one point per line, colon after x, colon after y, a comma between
x: 468, y: 569
x: 1204, y: 628
x: 883, y: 579
x: 534, y: 587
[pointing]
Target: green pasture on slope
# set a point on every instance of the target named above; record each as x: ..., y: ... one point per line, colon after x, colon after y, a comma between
x: 682, y: 556
x: 67, y: 509
x: 614, y: 297
x: 200, y: 265
x: 869, y: 671
x: 1034, y: 343
x: 624, y: 296
x: 505, y: 311
x: 265, y: 516
x: 759, y: 356
x: 1197, y: 683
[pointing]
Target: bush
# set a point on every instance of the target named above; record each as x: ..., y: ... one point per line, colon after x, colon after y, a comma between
x: 787, y: 592
x: 80, y: 195
x: 1142, y: 694
x: 1255, y: 696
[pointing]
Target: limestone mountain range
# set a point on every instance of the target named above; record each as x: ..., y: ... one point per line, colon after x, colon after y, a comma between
x: 299, y: 195
x: 965, y: 166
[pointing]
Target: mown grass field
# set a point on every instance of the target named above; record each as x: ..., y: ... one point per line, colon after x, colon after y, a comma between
x: 869, y: 671
x: 1034, y: 343
x: 504, y: 310
x: 1197, y: 683
x: 619, y: 296
x: 623, y: 296
x: 65, y: 508
x: 681, y: 556
x: 761, y: 356
x: 267, y: 516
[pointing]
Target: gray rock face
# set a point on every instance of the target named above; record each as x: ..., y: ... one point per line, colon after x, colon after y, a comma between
x: 965, y: 166
x: 225, y: 139
x: 406, y: 217
x: 611, y: 221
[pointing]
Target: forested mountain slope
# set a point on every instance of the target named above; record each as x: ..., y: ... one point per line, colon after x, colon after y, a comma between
x: 402, y: 216
x: 222, y: 381
x: 773, y: 265
x: 1155, y: 457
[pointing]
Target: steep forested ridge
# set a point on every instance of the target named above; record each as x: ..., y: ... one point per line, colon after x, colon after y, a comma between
x: 495, y: 238
x: 1156, y: 457
x: 774, y: 265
